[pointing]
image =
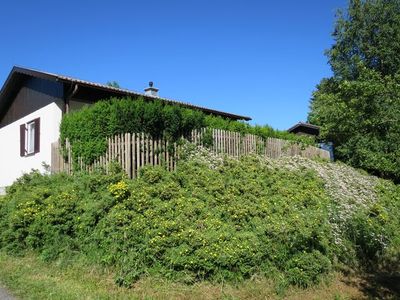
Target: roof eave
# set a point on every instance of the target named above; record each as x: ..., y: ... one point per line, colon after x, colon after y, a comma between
x: 308, y: 125
x: 123, y: 92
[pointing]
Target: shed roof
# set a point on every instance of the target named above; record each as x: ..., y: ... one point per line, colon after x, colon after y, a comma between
x: 18, y: 74
x: 303, y: 125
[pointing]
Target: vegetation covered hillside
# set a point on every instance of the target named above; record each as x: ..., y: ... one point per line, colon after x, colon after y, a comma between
x: 293, y: 220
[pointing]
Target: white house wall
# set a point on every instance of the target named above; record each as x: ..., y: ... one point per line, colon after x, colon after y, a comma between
x: 12, y: 165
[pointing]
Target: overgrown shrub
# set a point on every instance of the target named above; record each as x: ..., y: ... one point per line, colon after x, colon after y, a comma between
x: 304, y: 269
x: 375, y: 230
x: 227, y: 222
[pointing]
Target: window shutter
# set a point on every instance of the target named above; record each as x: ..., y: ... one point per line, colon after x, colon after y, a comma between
x: 37, y: 135
x: 22, y: 140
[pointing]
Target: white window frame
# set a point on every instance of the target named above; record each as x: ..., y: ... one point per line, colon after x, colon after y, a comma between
x: 30, y: 138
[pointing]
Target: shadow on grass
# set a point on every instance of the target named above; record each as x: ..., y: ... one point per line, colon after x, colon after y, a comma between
x: 381, y: 286
x: 378, y: 285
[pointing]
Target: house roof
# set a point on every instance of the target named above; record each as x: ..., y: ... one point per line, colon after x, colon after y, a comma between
x: 19, y: 74
x: 303, y: 125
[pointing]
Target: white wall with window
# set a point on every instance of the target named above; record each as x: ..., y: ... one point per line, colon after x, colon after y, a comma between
x: 26, y: 143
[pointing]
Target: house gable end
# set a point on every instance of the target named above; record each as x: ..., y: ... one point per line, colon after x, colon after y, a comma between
x: 29, y: 94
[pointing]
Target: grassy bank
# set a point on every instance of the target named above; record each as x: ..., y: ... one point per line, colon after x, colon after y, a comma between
x: 29, y: 277
x: 292, y: 221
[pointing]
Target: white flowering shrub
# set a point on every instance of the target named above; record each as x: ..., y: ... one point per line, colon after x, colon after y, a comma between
x: 363, y: 208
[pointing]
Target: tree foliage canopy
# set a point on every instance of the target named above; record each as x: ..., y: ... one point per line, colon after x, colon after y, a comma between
x: 367, y: 34
x: 358, y: 108
x: 113, y: 83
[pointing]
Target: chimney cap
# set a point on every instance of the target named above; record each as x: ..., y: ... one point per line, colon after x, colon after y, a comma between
x: 150, y: 90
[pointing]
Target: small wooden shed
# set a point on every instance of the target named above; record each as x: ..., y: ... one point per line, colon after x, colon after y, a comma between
x: 302, y: 128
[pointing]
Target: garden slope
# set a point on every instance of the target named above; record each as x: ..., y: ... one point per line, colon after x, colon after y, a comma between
x: 293, y: 219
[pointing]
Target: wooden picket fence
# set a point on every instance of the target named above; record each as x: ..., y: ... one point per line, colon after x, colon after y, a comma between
x: 133, y: 151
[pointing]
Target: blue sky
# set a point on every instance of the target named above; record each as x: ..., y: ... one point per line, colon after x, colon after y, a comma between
x: 257, y: 58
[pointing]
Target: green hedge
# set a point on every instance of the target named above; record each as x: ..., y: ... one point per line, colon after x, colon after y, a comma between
x: 264, y: 131
x: 88, y: 128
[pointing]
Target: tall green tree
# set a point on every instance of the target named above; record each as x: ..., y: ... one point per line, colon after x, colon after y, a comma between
x: 367, y: 34
x: 358, y: 108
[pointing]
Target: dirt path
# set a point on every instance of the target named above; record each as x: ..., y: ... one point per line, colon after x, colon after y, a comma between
x: 4, y: 295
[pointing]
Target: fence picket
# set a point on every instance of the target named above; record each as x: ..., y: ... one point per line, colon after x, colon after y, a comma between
x: 120, y: 150
x: 134, y: 151
x: 135, y: 154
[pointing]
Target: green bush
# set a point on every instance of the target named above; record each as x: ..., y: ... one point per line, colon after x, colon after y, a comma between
x: 198, y: 223
x: 375, y: 230
x: 226, y: 223
x: 88, y: 128
x: 305, y: 269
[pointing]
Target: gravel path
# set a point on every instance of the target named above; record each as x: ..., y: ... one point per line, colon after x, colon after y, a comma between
x: 4, y: 295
